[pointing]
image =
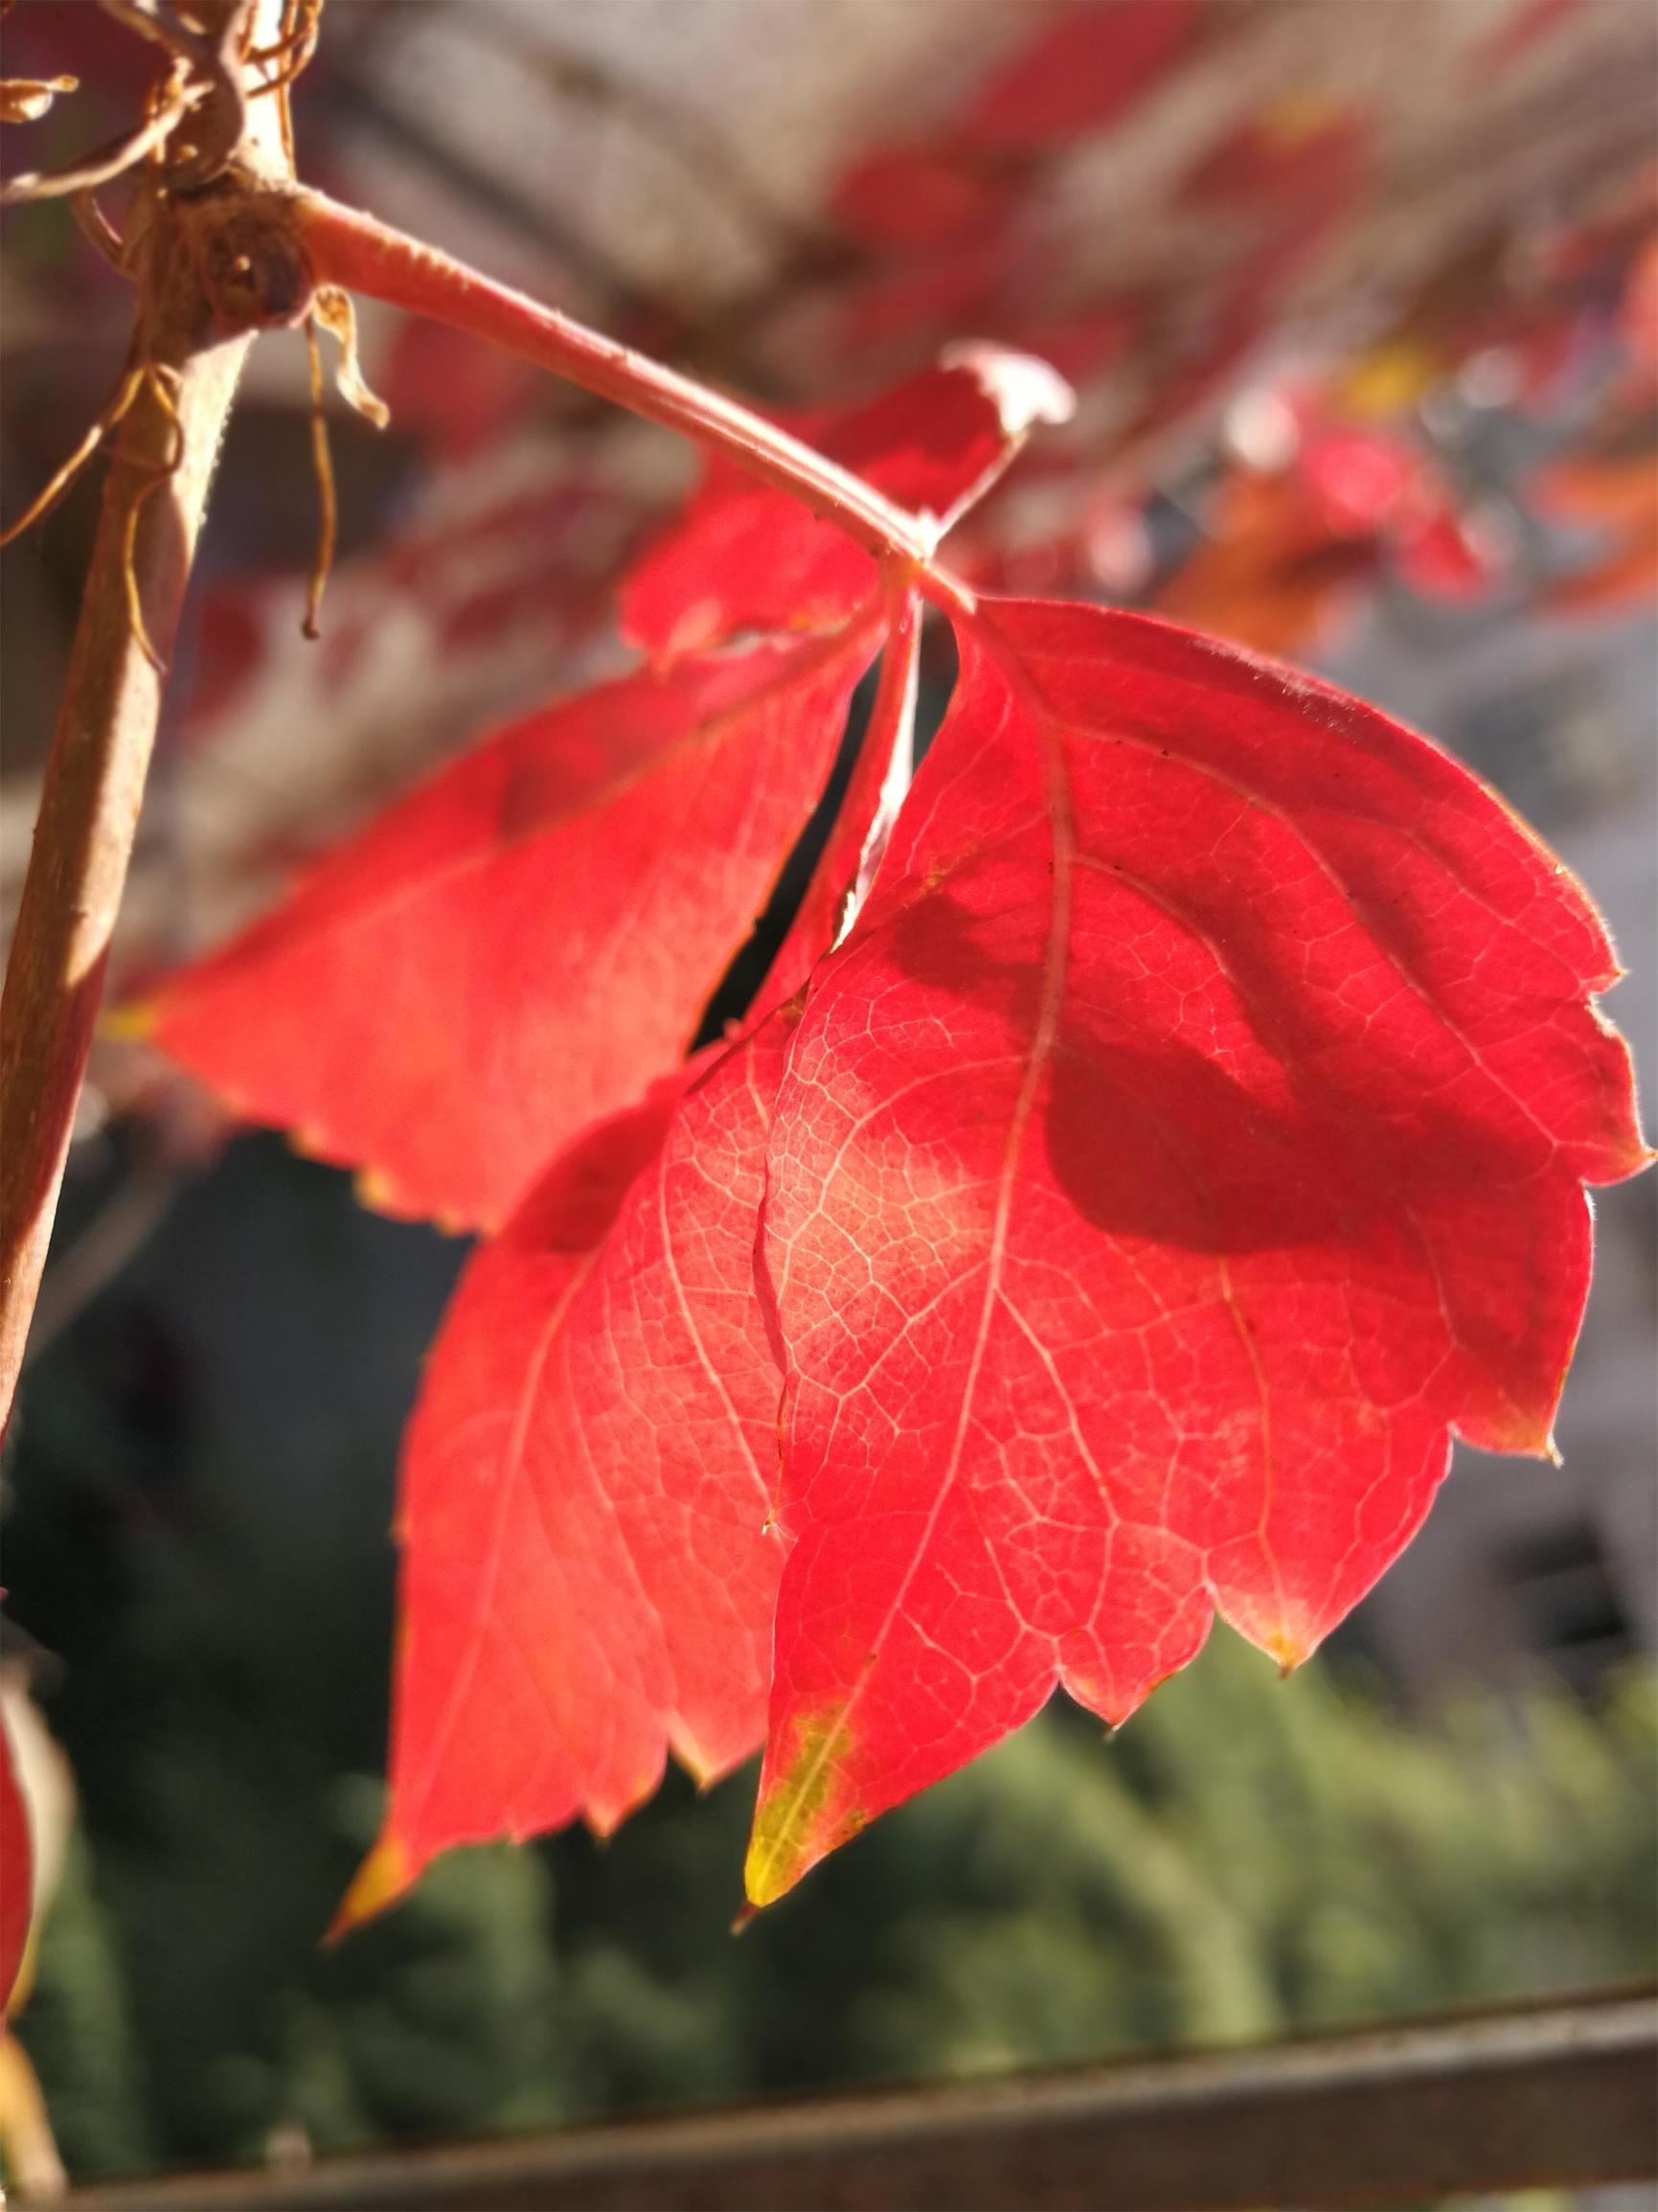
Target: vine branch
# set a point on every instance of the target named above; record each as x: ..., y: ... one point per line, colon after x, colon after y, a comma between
x: 208, y: 269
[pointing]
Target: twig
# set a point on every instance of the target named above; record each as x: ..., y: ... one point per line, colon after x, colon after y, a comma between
x: 351, y: 249
x: 208, y: 273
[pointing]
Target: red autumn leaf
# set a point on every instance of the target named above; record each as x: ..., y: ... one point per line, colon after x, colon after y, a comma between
x: 1615, y: 490
x: 916, y: 200
x: 1186, y: 1140
x: 588, y: 1569
x: 522, y: 945
x: 588, y: 1579
x: 1271, y: 575
x: 457, y: 396
x: 743, y: 557
x: 1081, y: 73
x: 963, y: 287
x: 1360, y: 478
x: 1301, y: 152
x: 16, y: 1873
x: 1446, y: 555
x: 1627, y: 579
x: 1089, y: 342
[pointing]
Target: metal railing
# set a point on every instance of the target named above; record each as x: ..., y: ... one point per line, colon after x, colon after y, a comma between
x: 1556, y: 2094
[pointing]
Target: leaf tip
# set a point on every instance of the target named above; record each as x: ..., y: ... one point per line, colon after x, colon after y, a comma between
x: 1288, y: 1649
x: 378, y: 1883
x: 1023, y: 389
x: 805, y: 1812
x: 373, y: 1190
x: 703, y: 1769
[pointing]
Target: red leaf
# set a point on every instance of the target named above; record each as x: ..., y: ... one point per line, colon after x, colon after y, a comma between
x: 1304, y: 151
x: 1360, y: 478
x: 743, y: 557
x: 586, y: 1481
x: 526, y: 941
x: 1626, y: 578
x: 16, y: 1873
x: 457, y: 396
x: 588, y: 1573
x: 1271, y: 576
x: 964, y: 286
x: 1187, y: 1138
x: 913, y: 199
x: 1082, y: 73
x: 1616, y: 489
x: 1445, y: 555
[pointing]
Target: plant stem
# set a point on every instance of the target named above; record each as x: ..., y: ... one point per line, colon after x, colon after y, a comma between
x: 154, y: 497
x: 351, y: 249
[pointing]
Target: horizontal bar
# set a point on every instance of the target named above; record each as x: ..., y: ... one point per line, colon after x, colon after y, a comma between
x: 1554, y: 2095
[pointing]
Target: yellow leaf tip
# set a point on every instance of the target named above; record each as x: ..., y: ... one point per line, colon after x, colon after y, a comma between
x: 373, y: 1190
x: 1287, y: 1649
x: 378, y: 1883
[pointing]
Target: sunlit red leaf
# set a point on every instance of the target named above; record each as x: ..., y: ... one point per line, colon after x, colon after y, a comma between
x: 745, y: 558
x: 522, y: 945
x: 1188, y: 1137
x: 1082, y: 73
x: 588, y: 1570
x: 16, y: 1872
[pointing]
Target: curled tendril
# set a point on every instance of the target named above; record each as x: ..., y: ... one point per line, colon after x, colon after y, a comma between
x: 113, y: 411
x: 163, y: 384
x: 108, y: 162
x: 328, y: 507
x: 331, y: 311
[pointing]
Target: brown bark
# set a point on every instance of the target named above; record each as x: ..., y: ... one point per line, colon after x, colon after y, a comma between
x: 208, y: 269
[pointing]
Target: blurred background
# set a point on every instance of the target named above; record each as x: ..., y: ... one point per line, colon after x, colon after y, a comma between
x: 1362, y: 307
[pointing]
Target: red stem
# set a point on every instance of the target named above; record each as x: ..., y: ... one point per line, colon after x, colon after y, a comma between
x: 351, y: 249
